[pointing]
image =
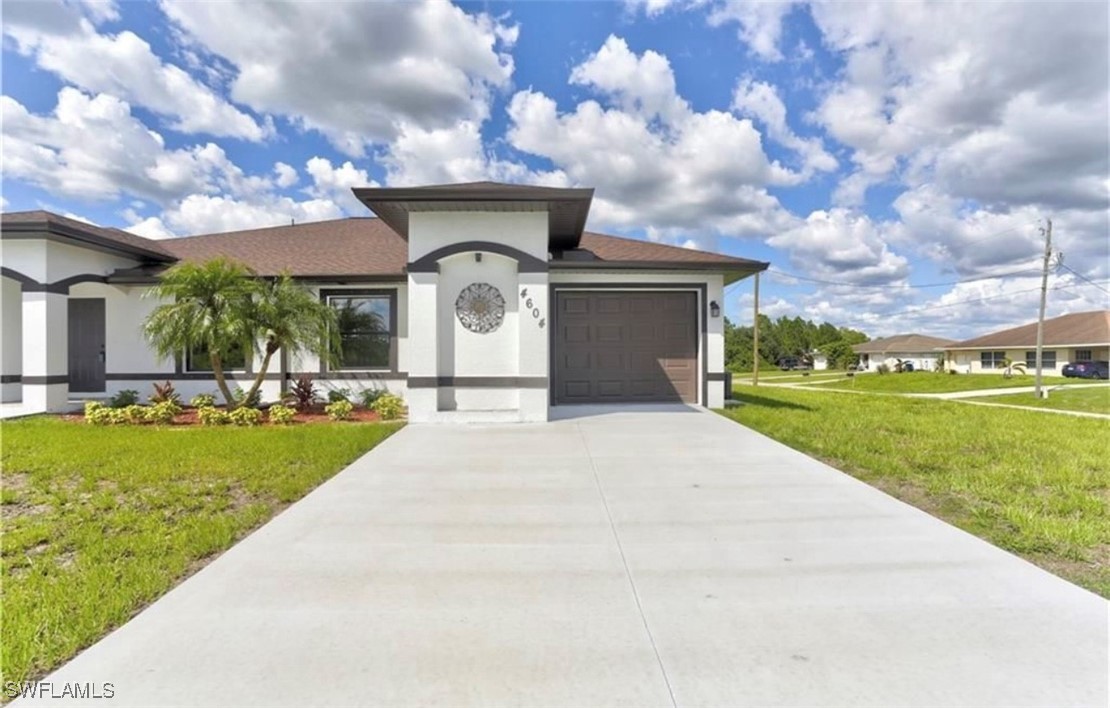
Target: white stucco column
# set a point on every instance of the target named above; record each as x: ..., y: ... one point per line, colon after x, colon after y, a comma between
x: 423, y: 357
x: 534, y: 344
x: 45, y: 351
x: 11, y: 340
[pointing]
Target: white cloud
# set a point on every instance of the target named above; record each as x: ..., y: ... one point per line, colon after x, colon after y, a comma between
x: 205, y: 213
x: 641, y: 85
x: 761, y: 100
x: 286, y: 175
x: 335, y: 183
x: 840, y: 245
x: 760, y: 23
x: 357, y: 72
x: 123, y: 65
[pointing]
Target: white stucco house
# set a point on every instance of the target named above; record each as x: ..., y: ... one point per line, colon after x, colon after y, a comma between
x: 1076, y: 337
x: 475, y: 302
x: 920, y: 350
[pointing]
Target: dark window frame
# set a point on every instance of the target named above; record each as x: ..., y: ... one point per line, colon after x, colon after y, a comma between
x: 1084, y: 355
x: 391, y: 294
x: 996, y: 358
x: 1048, y: 359
x: 247, y: 368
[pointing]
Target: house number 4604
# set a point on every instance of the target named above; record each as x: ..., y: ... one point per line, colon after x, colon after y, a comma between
x: 531, y: 307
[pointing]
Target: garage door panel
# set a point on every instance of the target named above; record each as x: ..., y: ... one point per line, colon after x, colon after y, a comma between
x: 626, y: 346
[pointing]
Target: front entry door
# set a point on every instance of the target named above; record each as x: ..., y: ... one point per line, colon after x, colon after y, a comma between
x: 86, y: 344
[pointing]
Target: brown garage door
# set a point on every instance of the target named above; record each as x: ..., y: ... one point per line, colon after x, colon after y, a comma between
x: 625, y: 346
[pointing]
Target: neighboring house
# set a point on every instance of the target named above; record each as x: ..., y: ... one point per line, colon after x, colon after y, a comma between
x: 820, y: 360
x: 919, y: 350
x: 1082, y: 336
x: 478, y: 302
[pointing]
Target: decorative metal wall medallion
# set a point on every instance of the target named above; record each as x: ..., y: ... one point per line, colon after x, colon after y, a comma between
x: 480, y: 307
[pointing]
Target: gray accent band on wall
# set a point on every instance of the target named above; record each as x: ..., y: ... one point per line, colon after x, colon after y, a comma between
x: 703, y: 305
x: 11, y: 378
x: 430, y: 262
x: 30, y: 285
x: 478, y: 382
x: 186, y: 376
x: 46, y: 380
x: 351, y: 375
x: 717, y: 375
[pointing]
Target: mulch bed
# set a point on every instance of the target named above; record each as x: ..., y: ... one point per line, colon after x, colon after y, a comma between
x: 313, y: 414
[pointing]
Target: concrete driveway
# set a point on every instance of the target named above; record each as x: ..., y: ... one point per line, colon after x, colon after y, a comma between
x: 649, y: 558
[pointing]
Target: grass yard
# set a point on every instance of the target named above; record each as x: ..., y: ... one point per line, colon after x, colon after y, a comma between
x: 932, y: 382
x: 99, y: 522
x: 1037, y: 485
x: 1089, y: 400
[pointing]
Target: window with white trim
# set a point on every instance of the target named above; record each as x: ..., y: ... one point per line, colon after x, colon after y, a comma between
x: 1048, y: 359
x: 992, y: 360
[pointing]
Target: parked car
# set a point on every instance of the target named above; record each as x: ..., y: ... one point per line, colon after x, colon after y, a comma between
x: 1087, y: 370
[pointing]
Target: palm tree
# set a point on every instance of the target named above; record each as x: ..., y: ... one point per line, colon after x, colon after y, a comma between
x: 207, y: 305
x: 290, y: 317
x: 1010, y: 366
x: 220, y: 305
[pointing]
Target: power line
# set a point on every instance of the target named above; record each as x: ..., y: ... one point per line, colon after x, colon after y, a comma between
x: 1083, y: 277
x: 903, y: 286
x: 973, y: 301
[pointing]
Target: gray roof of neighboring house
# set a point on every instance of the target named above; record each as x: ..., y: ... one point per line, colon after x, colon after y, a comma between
x: 1079, y: 328
x: 908, y: 343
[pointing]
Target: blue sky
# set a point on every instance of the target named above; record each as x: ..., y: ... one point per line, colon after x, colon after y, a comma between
x: 877, y: 148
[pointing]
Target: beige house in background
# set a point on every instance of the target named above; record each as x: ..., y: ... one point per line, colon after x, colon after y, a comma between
x: 1082, y: 336
x: 918, y: 349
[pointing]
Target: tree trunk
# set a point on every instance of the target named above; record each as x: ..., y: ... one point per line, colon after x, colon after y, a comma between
x: 261, y: 375
x: 221, y: 383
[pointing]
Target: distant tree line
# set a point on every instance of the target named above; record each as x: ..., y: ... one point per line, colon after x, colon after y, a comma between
x: 790, y: 337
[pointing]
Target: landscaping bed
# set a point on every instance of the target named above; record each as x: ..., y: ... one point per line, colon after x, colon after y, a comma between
x: 1034, y: 484
x: 100, y: 521
x: 311, y: 414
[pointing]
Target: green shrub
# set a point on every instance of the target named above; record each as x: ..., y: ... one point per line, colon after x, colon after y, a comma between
x: 339, y: 394
x: 210, y: 415
x: 123, y: 399
x: 388, y: 406
x: 203, y: 400
x: 97, y: 413
x: 163, y: 413
x: 246, y: 417
x: 134, y: 414
x: 339, y: 410
x: 282, y: 415
x: 239, y: 396
x: 164, y: 392
x: 369, y: 395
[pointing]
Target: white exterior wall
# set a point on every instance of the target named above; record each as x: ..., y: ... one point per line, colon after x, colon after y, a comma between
x: 440, y: 345
x: 970, y: 362
x: 922, y: 361
x: 11, y: 339
x: 712, y: 359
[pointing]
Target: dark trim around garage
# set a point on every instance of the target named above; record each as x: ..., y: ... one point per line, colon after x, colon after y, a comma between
x: 478, y: 382
x: 11, y: 378
x: 703, y: 305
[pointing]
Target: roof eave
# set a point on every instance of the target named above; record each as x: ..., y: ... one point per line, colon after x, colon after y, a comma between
x: 63, y: 234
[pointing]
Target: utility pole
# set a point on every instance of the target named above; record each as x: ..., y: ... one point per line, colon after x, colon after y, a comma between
x: 755, y: 336
x: 1038, y: 391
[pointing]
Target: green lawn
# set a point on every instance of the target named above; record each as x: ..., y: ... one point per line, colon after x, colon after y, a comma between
x: 1034, y: 484
x: 1090, y: 400
x: 98, y: 522
x: 931, y: 382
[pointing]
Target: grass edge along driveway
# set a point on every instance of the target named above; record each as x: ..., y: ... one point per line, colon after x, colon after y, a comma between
x: 1035, y: 485
x: 100, y: 522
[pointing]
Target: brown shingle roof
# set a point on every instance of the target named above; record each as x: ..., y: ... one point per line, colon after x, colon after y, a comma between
x: 354, y: 246
x: 367, y: 246
x: 1067, y: 330
x: 902, y: 343
x: 102, y: 238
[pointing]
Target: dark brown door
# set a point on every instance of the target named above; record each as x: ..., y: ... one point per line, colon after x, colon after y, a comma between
x: 625, y: 346
x: 86, y: 344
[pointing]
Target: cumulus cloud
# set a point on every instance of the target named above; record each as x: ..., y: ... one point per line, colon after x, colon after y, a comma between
x: 67, y: 44
x: 206, y: 213
x: 365, y: 70
x: 761, y: 100
x: 759, y: 22
x: 335, y: 183
x: 841, y: 245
